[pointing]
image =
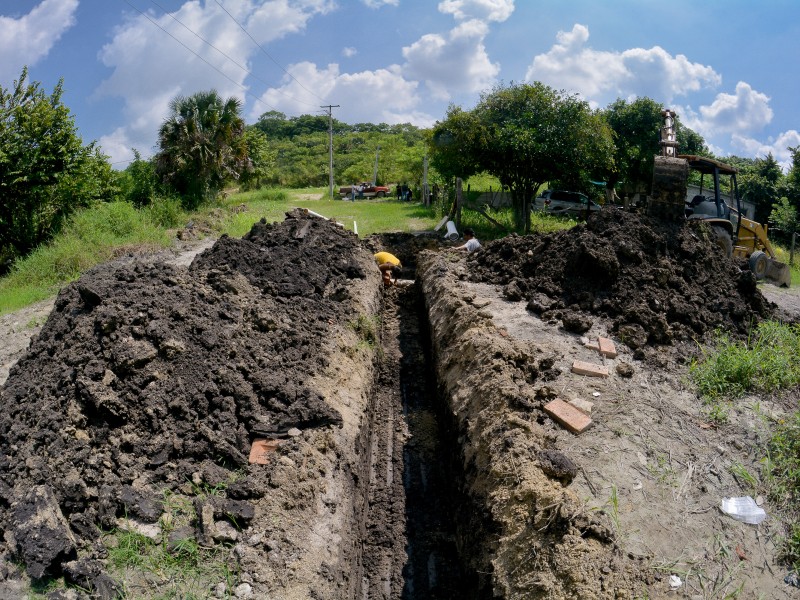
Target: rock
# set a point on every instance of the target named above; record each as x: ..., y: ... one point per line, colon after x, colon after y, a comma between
x: 149, y: 530
x: 557, y: 466
x: 625, y: 370
x: 294, y: 432
x: 220, y: 589
x: 40, y: 532
x: 224, y: 532
x: 576, y: 323
x: 243, y: 590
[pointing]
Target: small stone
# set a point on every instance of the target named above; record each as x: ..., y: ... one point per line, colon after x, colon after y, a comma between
x: 625, y: 370
x: 285, y: 460
x: 294, y: 432
x: 224, y: 532
x: 243, y: 590
x: 759, y: 500
x: 220, y: 589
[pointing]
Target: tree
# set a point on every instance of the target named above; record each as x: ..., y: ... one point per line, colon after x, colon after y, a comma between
x: 139, y: 181
x: 202, y: 146
x: 45, y: 170
x: 637, y: 133
x: 525, y: 135
x: 784, y: 218
x: 759, y: 185
x: 261, y: 159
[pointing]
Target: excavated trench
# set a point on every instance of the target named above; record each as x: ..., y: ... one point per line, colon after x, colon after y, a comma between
x: 410, y: 545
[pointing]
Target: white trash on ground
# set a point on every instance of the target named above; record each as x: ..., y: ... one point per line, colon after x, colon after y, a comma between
x: 743, y: 509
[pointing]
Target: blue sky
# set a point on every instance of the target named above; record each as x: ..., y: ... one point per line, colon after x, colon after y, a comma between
x: 728, y: 67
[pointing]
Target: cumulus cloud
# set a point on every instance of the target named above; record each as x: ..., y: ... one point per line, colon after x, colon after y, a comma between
x: 349, y: 51
x: 744, y: 111
x: 382, y: 95
x: 602, y: 76
x: 28, y: 39
x: 778, y: 146
x: 156, y: 57
x: 485, y: 10
x: 452, y: 63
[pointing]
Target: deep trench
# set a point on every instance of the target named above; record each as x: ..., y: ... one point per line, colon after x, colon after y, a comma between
x: 410, y: 541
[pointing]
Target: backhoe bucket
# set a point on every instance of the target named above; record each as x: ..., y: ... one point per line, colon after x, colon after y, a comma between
x: 778, y: 273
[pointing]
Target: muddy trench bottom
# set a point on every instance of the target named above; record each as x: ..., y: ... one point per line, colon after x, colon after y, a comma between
x: 410, y: 538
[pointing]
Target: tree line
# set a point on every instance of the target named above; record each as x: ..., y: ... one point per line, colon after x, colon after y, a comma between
x: 525, y: 135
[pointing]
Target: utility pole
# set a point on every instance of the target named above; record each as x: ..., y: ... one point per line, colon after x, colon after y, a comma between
x: 375, y: 170
x: 330, y: 108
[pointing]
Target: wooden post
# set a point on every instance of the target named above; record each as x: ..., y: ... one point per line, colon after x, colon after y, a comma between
x: 791, y: 250
x: 459, y: 200
x: 426, y: 195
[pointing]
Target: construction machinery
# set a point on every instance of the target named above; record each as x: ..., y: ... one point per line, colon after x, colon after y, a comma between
x: 734, y: 233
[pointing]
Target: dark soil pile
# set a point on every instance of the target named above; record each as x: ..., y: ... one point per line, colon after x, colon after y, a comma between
x: 660, y: 283
x: 146, y: 374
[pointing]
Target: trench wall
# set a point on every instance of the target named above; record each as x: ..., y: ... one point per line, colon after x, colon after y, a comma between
x: 524, y: 533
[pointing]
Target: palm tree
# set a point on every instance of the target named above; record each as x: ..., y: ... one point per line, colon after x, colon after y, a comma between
x: 202, y: 146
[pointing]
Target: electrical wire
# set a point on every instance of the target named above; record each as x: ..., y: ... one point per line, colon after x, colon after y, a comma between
x: 242, y: 67
x: 256, y: 98
x: 267, y: 53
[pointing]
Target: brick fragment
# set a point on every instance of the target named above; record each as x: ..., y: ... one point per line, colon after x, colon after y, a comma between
x: 590, y: 370
x: 592, y: 346
x: 567, y: 416
x: 582, y: 405
x: 261, y: 449
x: 607, y: 347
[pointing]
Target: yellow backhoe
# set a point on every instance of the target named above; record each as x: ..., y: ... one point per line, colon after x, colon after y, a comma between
x: 735, y: 234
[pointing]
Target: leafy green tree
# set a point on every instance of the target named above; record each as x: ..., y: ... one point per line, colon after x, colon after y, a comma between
x: 637, y: 135
x: 45, y: 170
x: 139, y: 182
x: 202, y: 146
x: 525, y: 135
x: 784, y: 218
x: 759, y: 184
x: 261, y: 159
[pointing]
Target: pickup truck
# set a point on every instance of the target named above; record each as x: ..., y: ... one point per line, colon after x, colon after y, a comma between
x: 368, y: 190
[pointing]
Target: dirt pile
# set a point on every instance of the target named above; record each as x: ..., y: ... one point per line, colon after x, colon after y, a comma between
x: 149, y: 377
x: 660, y: 283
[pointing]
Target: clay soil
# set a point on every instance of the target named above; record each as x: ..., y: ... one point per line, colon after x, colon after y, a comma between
x: 408, y: 452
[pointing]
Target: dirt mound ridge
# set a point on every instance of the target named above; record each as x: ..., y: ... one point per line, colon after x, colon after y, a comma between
x: 660, y: 283
x: 145, y: 371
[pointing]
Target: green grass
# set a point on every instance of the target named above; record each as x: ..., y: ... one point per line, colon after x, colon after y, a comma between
x: 767, y: 362
x: 100, y: 233
x: 92, y: 236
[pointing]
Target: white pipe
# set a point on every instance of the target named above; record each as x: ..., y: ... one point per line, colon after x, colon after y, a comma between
x: 315, y: 214
x: 355, y: 227
x: 452, y: 232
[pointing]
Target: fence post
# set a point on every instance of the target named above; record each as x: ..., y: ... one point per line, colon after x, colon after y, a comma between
x: 791, y: 250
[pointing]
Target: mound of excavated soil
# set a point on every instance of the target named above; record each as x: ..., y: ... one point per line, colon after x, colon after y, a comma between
x: 659, y: 282
x: 146, y: 374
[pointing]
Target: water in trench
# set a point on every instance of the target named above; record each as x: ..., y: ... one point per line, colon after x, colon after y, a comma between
x: 410, y: 542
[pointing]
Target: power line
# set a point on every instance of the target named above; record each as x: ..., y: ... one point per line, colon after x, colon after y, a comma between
x: 256, y: 98
x: 267, y: 53
x: 242, y: 67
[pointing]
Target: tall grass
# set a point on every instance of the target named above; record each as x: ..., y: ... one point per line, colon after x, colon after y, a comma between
x: 92, y: 236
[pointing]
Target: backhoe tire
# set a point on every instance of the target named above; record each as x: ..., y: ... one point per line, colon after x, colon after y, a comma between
x: 723, y: 240
x: 759, y: 264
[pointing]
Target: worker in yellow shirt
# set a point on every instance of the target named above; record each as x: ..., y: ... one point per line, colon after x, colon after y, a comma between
x: 388, y: 264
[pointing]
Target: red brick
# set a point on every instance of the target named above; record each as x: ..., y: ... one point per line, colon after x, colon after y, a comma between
x: 568, y: 416
x: 590, y: 370
x: 607, y: 347
x: 261, y: 449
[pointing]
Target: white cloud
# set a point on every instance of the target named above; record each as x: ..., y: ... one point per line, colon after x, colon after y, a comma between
x: 745, y: 111
x: 150, y: 67
x: 457, y: 62
x: 349, y: 51
x: 485, y: 10
x: 29, y: 38
x: 778, y: 146
x: 379, y: 3
x: 382, y: 95
x: 602, y: 76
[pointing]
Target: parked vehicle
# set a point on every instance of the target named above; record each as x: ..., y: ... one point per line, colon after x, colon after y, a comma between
x: 560, y: 202
x: 368, y: 190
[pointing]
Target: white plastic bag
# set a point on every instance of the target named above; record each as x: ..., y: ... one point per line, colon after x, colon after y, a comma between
x: 743, y: 509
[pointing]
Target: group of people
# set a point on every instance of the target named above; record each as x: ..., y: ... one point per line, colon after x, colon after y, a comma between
x: 356, y: 189
x: 391, y: 267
